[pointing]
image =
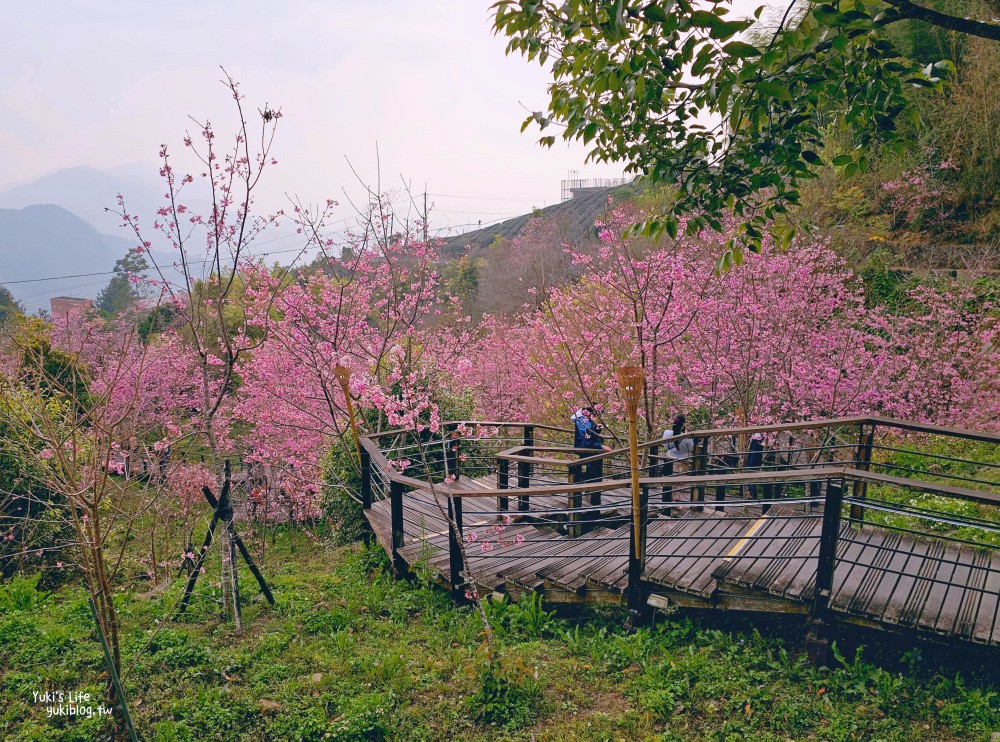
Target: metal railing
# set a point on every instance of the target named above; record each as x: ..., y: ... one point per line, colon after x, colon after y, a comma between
x: 848, y: 470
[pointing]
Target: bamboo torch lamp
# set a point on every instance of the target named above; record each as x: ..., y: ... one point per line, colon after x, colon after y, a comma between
x: 343, y: 375
x: 631, y: 379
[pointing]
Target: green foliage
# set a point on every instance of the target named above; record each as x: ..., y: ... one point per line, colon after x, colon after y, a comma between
x: 634, y: 80
x: 155, y: 321
x: 525, y: 618
x: 33, y: 526
x: 363, y: 718
x: 883, y: 287
x: 122, y: 291
x: 21, y: 594
x: 58, y: 375
x: 462, y: 278
x: 507, y: 695
x: 341, y: 487
x: 354, y: 654
x: 10, y: 309
x: 176, y: 650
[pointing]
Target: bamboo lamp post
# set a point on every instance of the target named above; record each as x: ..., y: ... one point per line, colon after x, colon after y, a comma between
x: 630, y: 379
x: 343, y: 375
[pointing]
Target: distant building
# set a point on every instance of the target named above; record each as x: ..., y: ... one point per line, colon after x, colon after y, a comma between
x: 576, y: 187
x: 63, y: 305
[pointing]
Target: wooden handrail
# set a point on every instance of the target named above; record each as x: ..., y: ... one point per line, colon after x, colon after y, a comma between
x: 973, y: 435
x: 708, y: 480
x: 885, y: 422
x: 481, y: 423
x: 981, y: 496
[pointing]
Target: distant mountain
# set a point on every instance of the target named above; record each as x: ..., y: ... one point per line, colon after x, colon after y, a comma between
x: 87, y: 191
x: 47, y: 240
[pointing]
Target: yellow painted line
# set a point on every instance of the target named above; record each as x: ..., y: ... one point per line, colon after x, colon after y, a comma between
x: 746, y: 537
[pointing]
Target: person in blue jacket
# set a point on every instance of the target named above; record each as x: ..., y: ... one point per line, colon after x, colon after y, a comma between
x: 586, y: 430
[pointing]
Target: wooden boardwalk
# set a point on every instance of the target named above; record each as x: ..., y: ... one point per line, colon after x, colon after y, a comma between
x: 734, y: 559
x: 574, y: 547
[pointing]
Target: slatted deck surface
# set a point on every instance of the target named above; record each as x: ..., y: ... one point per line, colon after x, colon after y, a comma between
x: 881, y: 577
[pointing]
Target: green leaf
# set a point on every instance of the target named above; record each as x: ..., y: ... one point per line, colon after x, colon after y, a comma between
x: 774, y: 90
x: 786, y: 239
x: 655, y: 13
x: 728, y: 29
x: 704, y: 19
x: 841, y: 160
x: 811, y: 157
x: 741, y: 50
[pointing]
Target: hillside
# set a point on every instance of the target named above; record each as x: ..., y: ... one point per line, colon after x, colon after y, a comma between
x: 47, y: 240
x: 576, y: 216
x: 86, y: 192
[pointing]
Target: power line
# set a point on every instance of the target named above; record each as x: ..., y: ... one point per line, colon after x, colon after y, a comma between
x: 190, y: 262
x: 490, y: 198
x: 58, y: 278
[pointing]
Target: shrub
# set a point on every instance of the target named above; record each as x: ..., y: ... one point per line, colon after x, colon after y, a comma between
x: 508, y: 695
x: 341, y: 484
x: 527, y: 617
x: 21, y: 594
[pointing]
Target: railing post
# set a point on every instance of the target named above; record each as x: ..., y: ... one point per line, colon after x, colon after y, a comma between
x: 574, y: 501
x: 769, y: 461
x: 650, y: 468
x: 456, y: 565
x: 595, y: 473
x: 366, y: 479
x: 818, y: 639
x: 524, y: 467
x: 503, y: 482
x: 815, y: 491
x: 399, y: 567
x: 828, y: 546
x: 667, y: 470
x: 699, y: 466
x: 720, y: 490
x: 451, y: 452
x: 866, y: 441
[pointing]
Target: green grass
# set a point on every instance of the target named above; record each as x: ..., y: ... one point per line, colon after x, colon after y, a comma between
x: 349, y: 653
x: 938, y: 471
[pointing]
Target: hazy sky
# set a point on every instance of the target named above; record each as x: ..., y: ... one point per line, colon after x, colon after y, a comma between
x: 104, y: 82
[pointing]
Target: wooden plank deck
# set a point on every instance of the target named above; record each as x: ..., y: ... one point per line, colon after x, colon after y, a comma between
x: 881, y: 577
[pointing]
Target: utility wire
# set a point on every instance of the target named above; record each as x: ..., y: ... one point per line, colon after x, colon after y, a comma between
x: 490, y: 198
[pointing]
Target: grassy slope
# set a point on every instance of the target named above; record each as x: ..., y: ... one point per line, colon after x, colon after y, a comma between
x: 353, y: 654
x: 943, y: 472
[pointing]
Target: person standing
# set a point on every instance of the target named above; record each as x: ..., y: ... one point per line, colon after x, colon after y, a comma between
x: 586, y: 431
x: 678, y: 450
x: 755, y: 458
